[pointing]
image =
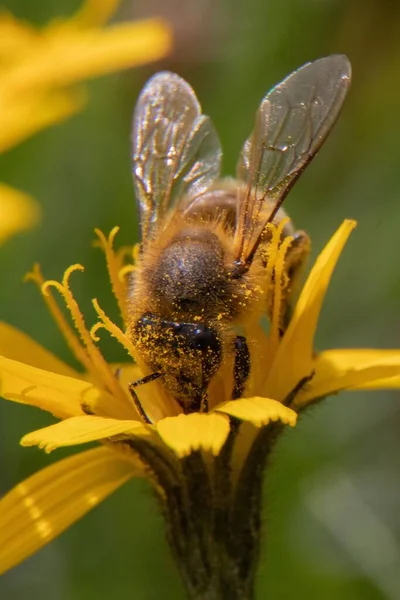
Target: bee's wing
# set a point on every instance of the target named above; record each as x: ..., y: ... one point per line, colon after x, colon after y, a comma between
x: 176, y: 150
x: 292, y: 123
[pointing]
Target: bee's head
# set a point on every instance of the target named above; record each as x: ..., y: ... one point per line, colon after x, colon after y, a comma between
x: 187, y: 355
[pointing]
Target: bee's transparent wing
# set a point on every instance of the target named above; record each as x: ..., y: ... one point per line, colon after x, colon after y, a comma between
x: 176, y: 150
x: 292, y: 123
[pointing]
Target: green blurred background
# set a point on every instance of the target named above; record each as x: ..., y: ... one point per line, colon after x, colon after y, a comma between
x: 332, y: 524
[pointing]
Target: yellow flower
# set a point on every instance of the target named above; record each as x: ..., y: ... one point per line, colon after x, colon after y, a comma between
x: 206, y: 468
x: 17, y: 212
x: 38, y: 68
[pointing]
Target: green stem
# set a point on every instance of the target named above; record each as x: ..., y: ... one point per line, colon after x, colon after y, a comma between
x: 210, y: 513
x: 213, y: 528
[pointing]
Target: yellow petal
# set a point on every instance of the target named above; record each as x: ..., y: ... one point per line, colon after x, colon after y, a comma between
x: 72, y: 55
x: 18, y: 211
x: 127, y: 372
x: 337, y: 370
x: 259, y: 411
x: 60, y: 395
x: 389, y: 383
x: 18, y: 346
x: 94, y: 13
x: 81, y: 430
x: 15, y: 36
x: 44, y: 505
x: 24, y: 114
x: 197, y: 431
x: 295, y: 353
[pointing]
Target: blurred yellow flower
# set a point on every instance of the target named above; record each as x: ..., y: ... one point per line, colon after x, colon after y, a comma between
x: 206, y: 468
x: 17, y: 212
x: 39, y: 66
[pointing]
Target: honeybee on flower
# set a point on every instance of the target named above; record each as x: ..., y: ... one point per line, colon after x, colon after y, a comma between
x: 203, y: 267
x: 205, y: 466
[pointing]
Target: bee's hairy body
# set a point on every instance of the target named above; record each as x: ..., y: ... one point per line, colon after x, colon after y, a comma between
x: 187, y: 276
x: 202, y: 275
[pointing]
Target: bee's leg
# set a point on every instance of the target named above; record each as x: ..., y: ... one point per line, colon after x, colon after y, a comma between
x: 241, y: 368
x: 134, y: 395
x: 199, y: 399
x: 204, y: 402
x: 295, y: 262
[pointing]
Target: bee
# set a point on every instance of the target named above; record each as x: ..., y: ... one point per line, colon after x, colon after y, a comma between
x: 204, y: 238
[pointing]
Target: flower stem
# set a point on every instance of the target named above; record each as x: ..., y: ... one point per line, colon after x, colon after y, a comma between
x: 213, y: 526
x: 211, y: 570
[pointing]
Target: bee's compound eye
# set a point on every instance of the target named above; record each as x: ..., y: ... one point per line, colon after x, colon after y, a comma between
x: 205, y: 339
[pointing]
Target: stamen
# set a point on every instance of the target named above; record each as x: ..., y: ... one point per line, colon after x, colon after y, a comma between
x: 123, y: 339
x: 68, y: 333
x: 126, y: 253
x: 97, y: 365
x: 125, y: 271
x: 281, y: 281
x: 94, y: 329
x: 114, y: 331
x: 273, y: 250
x: 113, y: 261
x: 276, y: 281
x: 134, y: 254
